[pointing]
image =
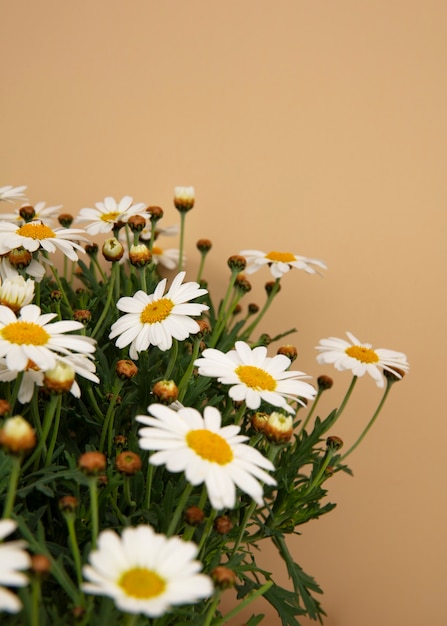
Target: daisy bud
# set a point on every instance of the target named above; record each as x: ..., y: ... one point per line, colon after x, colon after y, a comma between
x: 17, y: 435
x: 59, y: 379
x: 140, y: 255
x: 264, y: 340
x: 204, y: 328
x: 253, y: 308
x: 78, y: 612
x: 242, y: 284
x: 126, y: 369
x: 120, y: 441
x: 270, y: 285
x: 103, y: 481
x: 92, y: 463
x: 91, y: 249
x: 27, y: 212
x: 166, y: 391
x: 184, y: 198
x: 289, y: 351
x: 329, y: 471
x: 111, y: 397
x: 112, y: 249
x: 223, y: 524
x: 128, y: 463
x: 237, y: 262
x: 155, y: 212
x: 16, y: 292
x: 259, y: 421
x: 56, y: 295
x: 395, y: 375
x: 68, y: 504
x: 194, y: 516
x: 40, y: 565
x: 324, y: 382
x: 20, y: 258
x: 237, y: 309
x: 223, y: 577
x: 136, y: 223
x: 65, y: 220
x: 334, y: 443
x: 82, y: 315
x: 204, y: 245
x: 279, y: 428
x: 5, y: 408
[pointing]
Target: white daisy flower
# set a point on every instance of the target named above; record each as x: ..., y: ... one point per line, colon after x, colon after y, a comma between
x: 36, y: 235
x: 361, y: 358
x: 107, y: 213
x: 8, y: 193
x: 168, y: 258
x: 255, y: 377
x: 13, y: 559
x: 185, y: 441
x: 45, y: 214
x: 157, y: 318
x: 16, y: 292
x: 280, y: 262
x: 145, y: 572
x: 32, y: 337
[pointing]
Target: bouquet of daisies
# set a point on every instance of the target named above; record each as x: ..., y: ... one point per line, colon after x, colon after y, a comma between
x: 149, y: 442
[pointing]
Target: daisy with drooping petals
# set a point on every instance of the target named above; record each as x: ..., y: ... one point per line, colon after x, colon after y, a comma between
x: 32, y: 337
x: 255, y: 377
x: 40, y: 212
x: 13, y: 559
x: 8, y: 193
x: 108, y: 213
x: 280, y: 262
x: 157, y: 318
x: 361, y: 358
x: 36, y: 235
x: 183, y: 440
x: 145, y: 572
x: 15, y: 291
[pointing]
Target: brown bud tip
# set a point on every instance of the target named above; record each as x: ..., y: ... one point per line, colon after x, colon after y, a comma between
x: 258, y: 421
x: 120, y: 441
x: 128, y: 463
x: 242, y: 284
x: 56, y: 295
x: 264, y: 339
x: 140, y: 255
x: 126, y: 369
x: 112, y: 397
x: 166, y: 391
x: 91, y: 248
x: 237, y: 262
x: 223, y: 577
x: 17, y: 435
x: 65, y: 220
x: 92, y: 463
x: 40, y: 565
x: 334, y: 443
x: 155, y: 212
x: 394, y: 374
x: 68, y: 504
x: 136, y: 223
x: 20, y: 258
x: 270, y: 285
x: 78, y: 612
x: 82, y: 315
x: 324, y: 382
x: 237, y: 309
x: 204, y: 245
x: 223, y: 524
x: 27, y: 212
x: 112, y: 249
x: 5, y: 408
x: 289, y: 351
x: 279, y: 428
x: 194, y: 516
x: 204, y: 328
x: 253, y: 308
x: 329, y: 471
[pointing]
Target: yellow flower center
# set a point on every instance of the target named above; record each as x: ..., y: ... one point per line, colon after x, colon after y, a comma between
x: 256, y: 378
x: 142, y: 583
x: 280, y: 257
x: 210, y: 446
x: 156, y: 311
x: 157, y: 251
x: 110, y: 217
x: 36, y: 231
x: 25, y: 333
x: 365, y: 355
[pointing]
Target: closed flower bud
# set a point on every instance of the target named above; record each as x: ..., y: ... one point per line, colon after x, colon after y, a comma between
x: 82, y: 315
x: 289, y: 351
x: 253, y: 308
x: 204, y: 245
x: 270, y: 285
x: 184, y: 198
x: 237, y: 309
x: 112, y: 249
x: 136, y: 223
x: 264, y: 340
x: 126, y: 369
x: 59, y: 379
x: 223, y: 577
x: 393, y: 375
x: 40, y: 565
x: 259, y: 421
x: 155, y: 212
x: 56, y: 295
x: 68, y: 504
x: 17, y: 435
x: 16, y: 292
x: 92, y: 463
x: 166, y: 391
x: 120, y: 441
x: 204, y: 327
x: 334, y: 442
x: 279, y: 428
x: 91, y: 249
x: 140, y: 255
x: 65, y: 220
x: 5, y: 407
x: 128, y: 463
x: 223, y: 524
x: 237, y: 262
x: 194, y: 516
x: 242, y: 284
x: 20, y: 258
x: 27, y: 212
x: 324, y: 382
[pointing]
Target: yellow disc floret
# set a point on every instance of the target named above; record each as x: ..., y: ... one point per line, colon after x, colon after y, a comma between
x: 142, y: 583
x: 256, y: 378
x: 25, y: 333
x: 36, y: 231
x: 362, y: 353
x: 110, y: 217
x: 280, y: 257
x: 156, y: 311
x: 210, y: 446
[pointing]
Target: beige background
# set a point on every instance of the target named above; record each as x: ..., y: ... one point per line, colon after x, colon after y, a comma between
x: 316, y: 127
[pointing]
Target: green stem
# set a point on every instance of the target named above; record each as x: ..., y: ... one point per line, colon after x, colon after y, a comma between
x: 15, y: 390
x: 221, y: 318
x: 70, y: 521
x: 149, y: 479
x: 110, y: 292
x: 12, y: 486
x: 207, y: 529
x: 172, y: 359
x: 317, y: 479
x: 107, y: 427
x: 346, y: 398
x: 42, y: 445
x: 93, y: 489
x: 311, y: 412
x: 264, y: 309
x: 56, y: 422
x: 211, y: 612
x: 245, y: 602
x: 183, y: 385
x: 201, y: 266
x: 182, y: 239
x: 35, y: 600
x: 61, y: 289
x: 179, y: 510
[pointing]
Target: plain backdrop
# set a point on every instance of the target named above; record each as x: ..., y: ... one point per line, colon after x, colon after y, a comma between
x: 315, y: 127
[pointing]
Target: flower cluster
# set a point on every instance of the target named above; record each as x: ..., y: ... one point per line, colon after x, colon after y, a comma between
x: 150, y: 439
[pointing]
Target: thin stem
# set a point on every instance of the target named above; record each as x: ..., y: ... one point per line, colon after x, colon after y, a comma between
x: 35, y: 600
x: 149, y: 479
x: 93, y: 489
x: 179, y: 510
x: 264, y: 309
x: 346, y: 398
x: 211, y: 612
x: 317, y: 479
x: 220, y: 322
x: 182, y: 240
x: 311, y: 412
x: 113, y: 278
x: 207, y: 529
x: 16, y: 389
x: 56, y: 422
x: 12, y: 486
x: 183, y: 386
x: 172, y: 359
x: 70, y: 521
x: 245, y: 602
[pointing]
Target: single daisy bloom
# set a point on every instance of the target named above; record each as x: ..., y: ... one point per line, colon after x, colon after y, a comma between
x: 105, y: 216
x: 361, y: 358
x: 255, y: 377
x: 184, y: 441
x: 145, y: 572
x: 36, y: 235
x: 8, y: 193
x: 168, y: 258
x: 280, y: 262
x: 157, y: 318
x: 13, y: 559
x: 40, y: 212
x: 31, y: 337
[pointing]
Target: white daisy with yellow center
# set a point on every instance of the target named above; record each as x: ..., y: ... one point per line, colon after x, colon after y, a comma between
x: 157, y: 318
x: 184, y: 441
x: 361, y: 358
x: 13, y: 559
x: 168, y: 258
x: 145, y: 572
x: 46, y: 214
x: 255, y: 377
x: 36, y: 235
x: 108, y: 213
x: 280, y: 262
x: 31, y: 337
